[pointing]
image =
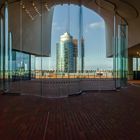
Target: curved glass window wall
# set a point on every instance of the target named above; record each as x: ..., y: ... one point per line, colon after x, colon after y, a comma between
x: 24, y: 66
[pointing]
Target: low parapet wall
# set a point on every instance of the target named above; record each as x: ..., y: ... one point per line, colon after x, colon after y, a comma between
x: 53, y: 88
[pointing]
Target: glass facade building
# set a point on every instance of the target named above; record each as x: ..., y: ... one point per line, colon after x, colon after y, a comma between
x: 66, y: 54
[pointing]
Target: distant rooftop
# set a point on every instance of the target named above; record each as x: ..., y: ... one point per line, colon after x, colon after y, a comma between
x: 66, y: 37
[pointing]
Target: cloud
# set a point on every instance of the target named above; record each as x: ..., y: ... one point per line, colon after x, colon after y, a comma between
x: 96, y: 25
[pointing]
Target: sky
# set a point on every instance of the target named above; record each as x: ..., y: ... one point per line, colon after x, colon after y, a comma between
x: 66, y: 19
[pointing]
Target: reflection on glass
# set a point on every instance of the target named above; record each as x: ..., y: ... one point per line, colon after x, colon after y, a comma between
x: 136, y: 68
x: 10, y: 55
x: 21, y: 66
x: 6, y: 36
x: 121, y: 56
x: 1, y: 53
x: 33, y: 68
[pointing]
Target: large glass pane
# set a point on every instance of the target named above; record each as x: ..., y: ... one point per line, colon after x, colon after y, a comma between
x: 25, y: 26
x: 62, y: 66
x: 136, y: 67
x: 58, y: 50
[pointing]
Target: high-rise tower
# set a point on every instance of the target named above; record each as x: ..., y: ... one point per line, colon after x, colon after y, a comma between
x: 66, y: 54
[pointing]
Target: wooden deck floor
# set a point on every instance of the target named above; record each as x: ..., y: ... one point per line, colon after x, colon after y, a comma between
x: 91, y: 116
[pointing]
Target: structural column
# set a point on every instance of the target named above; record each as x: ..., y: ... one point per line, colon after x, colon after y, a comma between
x: 122, y: 54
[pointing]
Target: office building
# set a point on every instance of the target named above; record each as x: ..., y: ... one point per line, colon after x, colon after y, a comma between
x: 66, y: 54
